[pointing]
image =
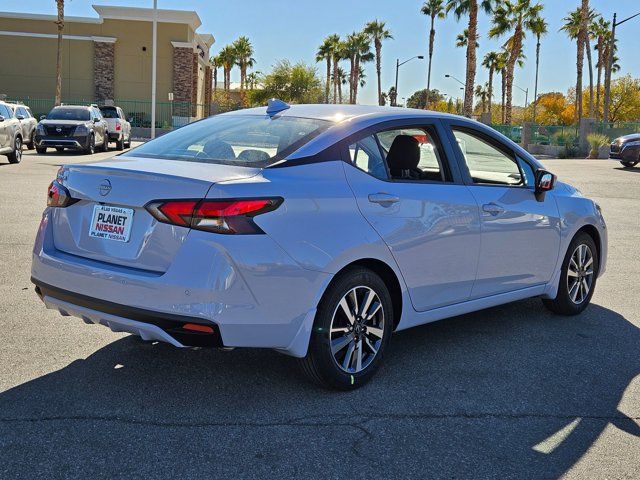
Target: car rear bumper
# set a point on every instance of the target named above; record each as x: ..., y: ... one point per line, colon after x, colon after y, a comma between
x: 148, y: 324
x: 77, y: 142
x: 114, y: 136
x: 246, y: 288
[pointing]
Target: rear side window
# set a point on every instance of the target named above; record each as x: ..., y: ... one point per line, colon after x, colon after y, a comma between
x: 429, y: 165
x: 109, y: 112
x: 5, y: 111
x: 245, y: 140
x: 365, y: 154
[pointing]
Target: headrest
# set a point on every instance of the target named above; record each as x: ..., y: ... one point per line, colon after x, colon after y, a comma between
x: 404, y: 153
x: 219, y: 150
x: 253, y: 156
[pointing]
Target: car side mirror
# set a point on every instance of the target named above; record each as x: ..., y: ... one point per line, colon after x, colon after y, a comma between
x: 20, y: 117
x: 545, y: 181
x: 1, y: 118
x: 42, y: 117
x: 96, y: 120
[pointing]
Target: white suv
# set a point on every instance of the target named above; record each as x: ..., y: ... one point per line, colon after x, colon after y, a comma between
x: 118, y: 126
x: 10, y: 134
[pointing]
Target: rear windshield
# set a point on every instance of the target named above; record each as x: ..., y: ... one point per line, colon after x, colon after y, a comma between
x: 246, y: 140
x: 69, y: 114
x: 109, y: 112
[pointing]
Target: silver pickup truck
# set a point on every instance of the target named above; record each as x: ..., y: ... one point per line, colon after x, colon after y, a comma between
x: 118, y: 126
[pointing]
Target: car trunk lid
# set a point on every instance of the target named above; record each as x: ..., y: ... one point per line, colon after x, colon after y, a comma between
x: 109, y: 222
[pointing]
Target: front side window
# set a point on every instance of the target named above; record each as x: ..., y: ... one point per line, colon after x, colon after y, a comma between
x: 486, y: 163
x: 245, y: 140
x: 62, y: 113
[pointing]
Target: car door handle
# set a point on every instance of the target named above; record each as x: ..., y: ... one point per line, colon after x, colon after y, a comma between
x: 492, y: 208
x: 384, y: 199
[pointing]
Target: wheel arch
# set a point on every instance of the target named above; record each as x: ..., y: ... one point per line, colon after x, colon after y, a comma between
x: 593, y: 232
x: 388, y: 276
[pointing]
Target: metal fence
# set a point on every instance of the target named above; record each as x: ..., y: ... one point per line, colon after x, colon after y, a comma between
x: 558, y: 135
x: 168, y: 114
x: 617, y: 129
x: 513, y: 132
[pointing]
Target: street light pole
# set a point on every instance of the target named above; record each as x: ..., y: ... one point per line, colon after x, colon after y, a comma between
x: 154, y: 55
x: 609, y: 65
x: 398, y: 65
x: 526, y: 94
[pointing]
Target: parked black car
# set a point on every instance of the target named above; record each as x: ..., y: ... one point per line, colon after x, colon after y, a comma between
x: 626, y: 150
x: 74, y: 127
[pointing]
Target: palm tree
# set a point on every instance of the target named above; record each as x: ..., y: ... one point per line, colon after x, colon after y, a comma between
x: 539, y: 28
x: 337, y: 52
x: 215, y: 65
x: 492, y: 63
x: 482, y: 94
x: 462, y: 39
x: 339, y: 79
x: 573, y: 28
x: 252, y: 80
x: 358, y: 50
x: 602, y: 32
x: 227, y: 59
x: 60, y: 24
x: 378, y: 32
x: 325, y: 53
x: 501, y: 67
x: 243, y: 52
x: 517, y: 16
x: 433, y: 9
x: 469, y: 7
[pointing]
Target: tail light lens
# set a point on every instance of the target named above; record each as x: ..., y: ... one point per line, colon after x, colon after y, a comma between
x: 118, y: 126
x: 234, y: 216
x: 59, y: 196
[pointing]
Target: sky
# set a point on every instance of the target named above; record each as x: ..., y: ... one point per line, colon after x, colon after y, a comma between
x: 293, y: 30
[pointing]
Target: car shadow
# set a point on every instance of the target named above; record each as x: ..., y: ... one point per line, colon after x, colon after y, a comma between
x: 509, y: 392
x: 629, y: 169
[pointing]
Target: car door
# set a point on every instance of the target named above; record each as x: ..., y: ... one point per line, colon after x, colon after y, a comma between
x: 98, y: 126
x: 5, y: 128
x: 520, y: 233
x: 431, y: 225
x: 24, y: 122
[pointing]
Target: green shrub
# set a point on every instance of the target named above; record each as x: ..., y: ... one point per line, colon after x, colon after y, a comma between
x: 596, y: 140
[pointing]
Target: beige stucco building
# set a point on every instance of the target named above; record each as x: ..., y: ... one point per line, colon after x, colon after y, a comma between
x: 106, y: 57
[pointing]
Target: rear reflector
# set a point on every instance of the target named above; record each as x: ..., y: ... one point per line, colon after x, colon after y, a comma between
x: 194, y: 327
x: 219, y: 216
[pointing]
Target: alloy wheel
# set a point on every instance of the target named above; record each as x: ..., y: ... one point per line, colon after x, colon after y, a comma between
x: 580, y: 274
x: 18, y: 149
x: 357, y: 329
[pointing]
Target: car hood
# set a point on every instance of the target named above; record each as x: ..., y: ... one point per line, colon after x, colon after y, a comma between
x: 64, y: 122
x: 628, y: 138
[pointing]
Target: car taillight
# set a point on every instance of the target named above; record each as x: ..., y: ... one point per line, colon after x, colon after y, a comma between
x: 59, y: 196
x: 118, y: 126
x: 234, y: 216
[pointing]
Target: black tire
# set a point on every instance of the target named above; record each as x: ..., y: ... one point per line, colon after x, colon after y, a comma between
x: 105, y: 142
x: 41, y: 150
x: 32, y: 140
x: 120, y: 143
x: 91, y: 148
x: 16, y: 155
x: 563, y: 303
x: 127, y: 144
x: 59, y: 149
x: 319, y: 364
x: 629, y: 164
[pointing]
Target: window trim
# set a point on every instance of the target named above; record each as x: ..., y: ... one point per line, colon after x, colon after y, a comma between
x: 498, y: 145
x: 437, y: 132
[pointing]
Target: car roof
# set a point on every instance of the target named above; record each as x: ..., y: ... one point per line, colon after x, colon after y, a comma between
x: 340, y: 113
x: 72, y: 106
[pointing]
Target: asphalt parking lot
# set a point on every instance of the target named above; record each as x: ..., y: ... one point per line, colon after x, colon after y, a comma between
x: 510, y: 392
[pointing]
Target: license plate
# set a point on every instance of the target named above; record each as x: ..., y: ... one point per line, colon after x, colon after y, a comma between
x: 111, y: 223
